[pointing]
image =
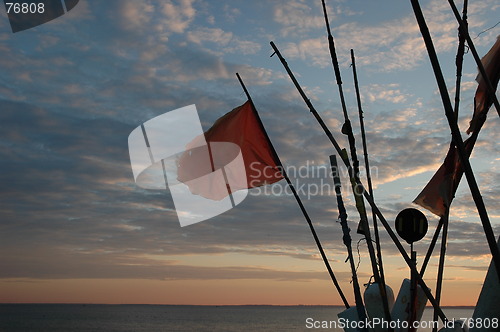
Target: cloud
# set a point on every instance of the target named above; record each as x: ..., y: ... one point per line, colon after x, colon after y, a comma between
x: 178, y: 15
x: 226, y: 40
x: 385, y: 92
x: 296, y: 16
x: 231, y: 13
x: 313, y: 48
x: 214, y: 35
x: 136, y: 14
x: 91, y: 265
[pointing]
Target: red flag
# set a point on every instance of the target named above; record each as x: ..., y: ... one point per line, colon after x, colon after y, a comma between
x: 483, y: 100
x: 243, y: 128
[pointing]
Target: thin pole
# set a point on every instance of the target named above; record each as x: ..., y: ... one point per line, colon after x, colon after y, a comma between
x: 368, y: 197
x: 382, y: 288
x: 299, y: 201
x: 347, y: 238
x: 457, y: 138
x: 335, y: 63
x: 413, y: 291
x: 465, y: 32
x: 360, y: 203
x: 367, y: 166
x: 460, y: 59
x: 439, y: 282
x: 431, y: 247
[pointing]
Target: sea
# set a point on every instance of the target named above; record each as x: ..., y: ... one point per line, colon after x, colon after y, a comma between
x: 122, y: 318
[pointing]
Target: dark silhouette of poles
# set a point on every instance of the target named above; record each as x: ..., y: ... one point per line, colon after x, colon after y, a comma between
x: 346, y: 237
x: 360, y: 203
x: 465, y: 32
x: 367, y: 166
x: 442, y: 255
x: 460, y: 58
x: 368, y: 197
x: 431, y: 247
x: 457, y: 138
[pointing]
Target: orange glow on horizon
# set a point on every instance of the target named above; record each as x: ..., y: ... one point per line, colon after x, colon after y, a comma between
x: 202, y: 292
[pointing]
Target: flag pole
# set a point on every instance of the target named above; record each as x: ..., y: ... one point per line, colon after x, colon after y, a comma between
x: 360, y: 203
x: 487, y: 81
x: 442, y: 255
x: 457, y: 138
x: 299, y: 201
x: 370, y: 187
x: 460, y: 59
x: 431, y: 247
x: 347, y: 238
x: 367, y: 166
x: 368, y: 197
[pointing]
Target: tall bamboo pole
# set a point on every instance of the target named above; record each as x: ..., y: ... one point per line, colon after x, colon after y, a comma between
x: 431, y: 247
x: 360, y: 203
x: 460, y: 59
x: 465, y: 32
x: 347, y: 130
x: 367, y: 166
x: 442, y: 255
x: 347, y: 238
x: 297, y: 198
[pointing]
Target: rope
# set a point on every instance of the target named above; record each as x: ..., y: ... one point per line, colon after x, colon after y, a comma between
x: 487, y: 30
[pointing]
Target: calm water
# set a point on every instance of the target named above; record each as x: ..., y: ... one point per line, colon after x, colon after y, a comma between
x: 95, y: 317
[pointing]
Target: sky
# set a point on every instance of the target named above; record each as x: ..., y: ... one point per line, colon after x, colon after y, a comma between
x: 75, y: 227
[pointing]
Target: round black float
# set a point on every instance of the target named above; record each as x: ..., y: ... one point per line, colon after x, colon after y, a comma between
x: 411, y: 225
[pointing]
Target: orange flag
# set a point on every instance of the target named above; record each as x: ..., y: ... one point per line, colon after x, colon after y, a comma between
x: 440, y: 191
x: 483, y: 100
x: 243, y: 129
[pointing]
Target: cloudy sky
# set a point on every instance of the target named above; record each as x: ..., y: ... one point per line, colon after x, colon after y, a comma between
x: 74, y: 226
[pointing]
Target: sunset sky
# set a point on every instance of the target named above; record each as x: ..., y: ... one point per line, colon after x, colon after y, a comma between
x: 74, y: 226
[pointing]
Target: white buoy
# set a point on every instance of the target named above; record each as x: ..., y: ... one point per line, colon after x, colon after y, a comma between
x: 350, y: 315
x: 400, y: 310
x: 375, y: 305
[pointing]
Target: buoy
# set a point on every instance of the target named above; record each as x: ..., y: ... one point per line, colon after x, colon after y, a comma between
x: 375, y: 305
x: 400, y: 310
x: 350, y: 315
